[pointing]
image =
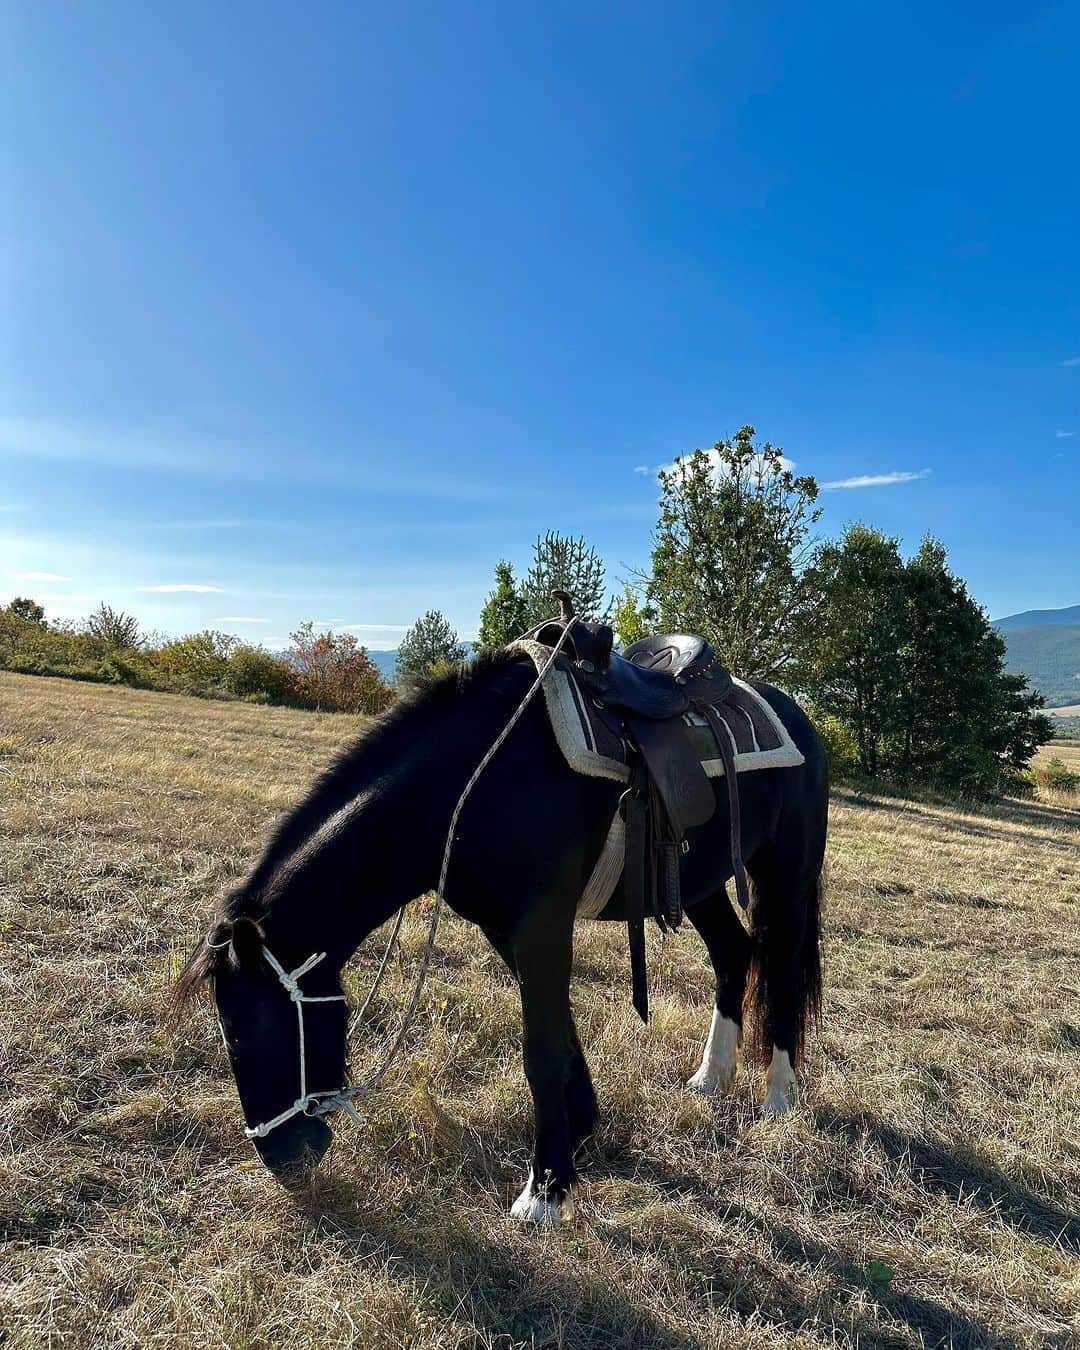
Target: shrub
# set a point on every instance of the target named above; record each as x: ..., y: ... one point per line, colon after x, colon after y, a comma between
x: 334, y: 672
x: 197, y: 664
x: 1057, y: 775
x: 841, y: 747
x: 260, y: 677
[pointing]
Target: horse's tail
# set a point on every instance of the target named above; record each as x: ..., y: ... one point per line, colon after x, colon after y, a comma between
x: 783, y: 991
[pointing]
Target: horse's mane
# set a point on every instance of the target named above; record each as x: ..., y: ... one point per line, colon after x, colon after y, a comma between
x: 371, y: 757
x: 367, y: 760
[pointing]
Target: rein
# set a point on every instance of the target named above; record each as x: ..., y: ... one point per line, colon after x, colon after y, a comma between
x: 322, y: 1103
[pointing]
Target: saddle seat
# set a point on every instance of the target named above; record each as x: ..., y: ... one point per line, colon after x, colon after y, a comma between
x: 653, y: 677
x: 679, y: 655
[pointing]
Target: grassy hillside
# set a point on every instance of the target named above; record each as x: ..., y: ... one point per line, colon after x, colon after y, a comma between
x: 1049, y: 655
x: 925, y: 1191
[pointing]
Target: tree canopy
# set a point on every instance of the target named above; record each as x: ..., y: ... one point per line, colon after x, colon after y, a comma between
x: 561, y: 562
x: 911, y: 664
x: 503, y: 617
x: 732, y: 553
x: 430, y: 645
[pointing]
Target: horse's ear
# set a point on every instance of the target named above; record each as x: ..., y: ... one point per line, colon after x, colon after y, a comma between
x: 247, y: 940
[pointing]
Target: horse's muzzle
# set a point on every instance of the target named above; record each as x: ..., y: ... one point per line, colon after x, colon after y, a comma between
x: 293, y: 1150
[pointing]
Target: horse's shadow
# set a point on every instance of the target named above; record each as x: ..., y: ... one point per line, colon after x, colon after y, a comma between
x: 503, y: 1290
x: 964, y: 1177
x: 498, y: 1285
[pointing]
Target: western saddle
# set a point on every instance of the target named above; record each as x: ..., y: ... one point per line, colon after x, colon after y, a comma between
x: 645, y: 694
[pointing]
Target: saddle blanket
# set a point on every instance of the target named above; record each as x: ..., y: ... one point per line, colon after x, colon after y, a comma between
x: 591, y: 745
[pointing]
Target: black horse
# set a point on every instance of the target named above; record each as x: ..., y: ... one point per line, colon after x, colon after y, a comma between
x: 369, y: 837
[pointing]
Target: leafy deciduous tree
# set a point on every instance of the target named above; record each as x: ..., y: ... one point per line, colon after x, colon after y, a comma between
x: 335, y: 673
x: 629, y: 617
x: 731, y: 555
x: 24, y: 608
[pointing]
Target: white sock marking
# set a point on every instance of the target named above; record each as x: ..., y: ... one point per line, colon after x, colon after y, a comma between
x: 780, y: 1084
x: 531, y: 1207
x: 717, y: 1072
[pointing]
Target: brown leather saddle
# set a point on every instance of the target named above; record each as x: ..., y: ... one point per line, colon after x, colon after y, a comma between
x: 645, y: 693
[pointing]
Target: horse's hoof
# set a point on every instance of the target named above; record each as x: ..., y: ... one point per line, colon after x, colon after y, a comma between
x: 717, y: 1072
x: 542, y: 1211
x: 777, y: 1103
x: 709, y: 1081
x: 780, y: 1082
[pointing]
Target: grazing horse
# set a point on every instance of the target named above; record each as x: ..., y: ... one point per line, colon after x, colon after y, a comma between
x: 369, y: 837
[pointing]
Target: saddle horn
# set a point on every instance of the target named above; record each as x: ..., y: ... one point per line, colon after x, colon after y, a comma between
x: 566, y: 605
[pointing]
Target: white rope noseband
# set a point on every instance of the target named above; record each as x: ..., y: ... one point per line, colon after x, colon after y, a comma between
x: 308, y: 1103
x: 322, y: 1103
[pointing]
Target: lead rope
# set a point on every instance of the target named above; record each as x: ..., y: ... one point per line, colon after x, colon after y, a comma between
x: 323, y: 1103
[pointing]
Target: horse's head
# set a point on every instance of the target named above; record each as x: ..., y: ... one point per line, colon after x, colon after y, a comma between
x: 286, y: 1043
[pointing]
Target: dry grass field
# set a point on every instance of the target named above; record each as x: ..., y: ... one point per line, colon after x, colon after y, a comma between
x: 924, y: 1192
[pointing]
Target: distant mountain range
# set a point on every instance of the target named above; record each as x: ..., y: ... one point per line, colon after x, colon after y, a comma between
x: 386, y: 661
x: 1044, y: 645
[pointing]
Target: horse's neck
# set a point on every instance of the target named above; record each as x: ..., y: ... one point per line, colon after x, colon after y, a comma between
x: 381, y: 850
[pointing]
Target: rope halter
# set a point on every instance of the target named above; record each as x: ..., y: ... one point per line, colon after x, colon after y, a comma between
x: 307, y: 1103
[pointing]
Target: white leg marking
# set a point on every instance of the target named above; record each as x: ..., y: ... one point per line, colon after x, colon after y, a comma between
x: 717, y: 1072
x: 532, y: 1207
x: 780, y: 1082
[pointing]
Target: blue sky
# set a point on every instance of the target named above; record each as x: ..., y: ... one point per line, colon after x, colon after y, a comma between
x: 327, y: 308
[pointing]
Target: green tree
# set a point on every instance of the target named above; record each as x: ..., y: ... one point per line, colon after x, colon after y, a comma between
x: 24, y: 608
x: 731, y: 555
x: 854, y: 671
x: 629, y: 617
x: 910, y: 663
x: 561, y: 562
x: 503, y: 617
x: 429, y: 645
x: 113, y: 628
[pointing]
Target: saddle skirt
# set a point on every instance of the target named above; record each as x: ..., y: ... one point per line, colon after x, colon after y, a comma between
x: 591, y: 742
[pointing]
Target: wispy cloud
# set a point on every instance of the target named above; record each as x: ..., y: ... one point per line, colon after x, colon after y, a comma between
x: 720, y: 468
x: 174, y: 587
x: 1072, y: 361
x: 36, y: 576
x: 152, y: 449
x: 865, y: 480
x: 362, y: 627
x: 1063, y: 435
x: 239, y: 618
x: 641, y: 468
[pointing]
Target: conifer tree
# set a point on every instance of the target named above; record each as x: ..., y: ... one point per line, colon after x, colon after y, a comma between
x: 503, y: 617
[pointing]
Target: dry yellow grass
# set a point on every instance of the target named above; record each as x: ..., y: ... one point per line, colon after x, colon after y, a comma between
x: 924, y: 1192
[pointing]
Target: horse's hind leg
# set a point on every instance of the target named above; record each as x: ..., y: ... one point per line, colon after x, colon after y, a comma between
x: 785, y: 977
x: 729, y: 950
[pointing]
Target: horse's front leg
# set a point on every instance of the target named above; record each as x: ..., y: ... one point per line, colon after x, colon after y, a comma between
x: 542, y: 958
